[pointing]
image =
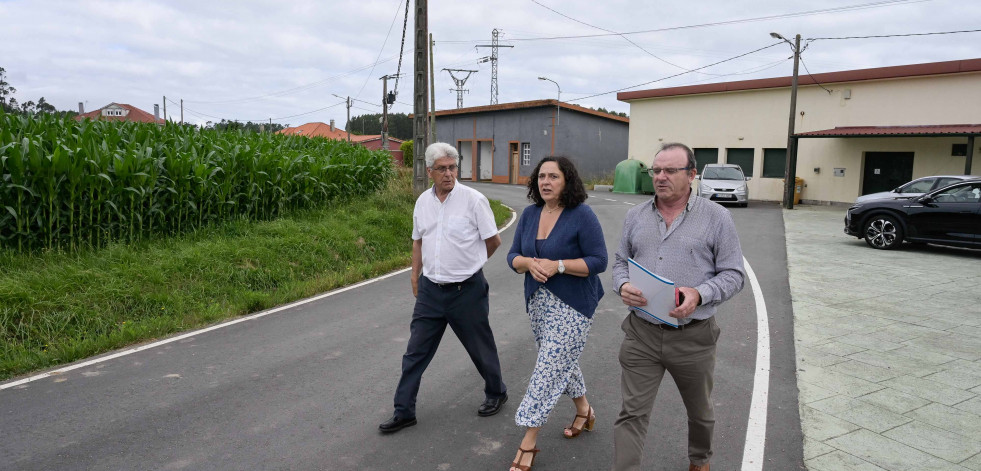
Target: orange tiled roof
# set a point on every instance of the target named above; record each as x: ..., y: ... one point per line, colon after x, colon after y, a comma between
x: 891, y: 131
x: 323, y: 130
x: 135, y: 114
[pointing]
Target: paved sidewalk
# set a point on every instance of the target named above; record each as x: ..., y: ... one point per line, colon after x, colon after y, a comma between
x: 888, y: 349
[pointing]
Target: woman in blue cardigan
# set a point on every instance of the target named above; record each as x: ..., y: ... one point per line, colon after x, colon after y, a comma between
x: 559, y: 247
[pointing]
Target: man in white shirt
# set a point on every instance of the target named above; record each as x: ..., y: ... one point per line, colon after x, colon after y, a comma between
x: 453, y: 235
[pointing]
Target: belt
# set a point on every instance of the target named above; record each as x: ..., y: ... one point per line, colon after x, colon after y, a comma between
x: 693, y: 323
x: 457, y: 284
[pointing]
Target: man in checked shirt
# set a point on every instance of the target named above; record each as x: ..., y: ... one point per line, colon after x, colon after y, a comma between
x: 691, y: 241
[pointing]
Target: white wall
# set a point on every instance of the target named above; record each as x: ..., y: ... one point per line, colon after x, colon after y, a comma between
x: 758, y: 119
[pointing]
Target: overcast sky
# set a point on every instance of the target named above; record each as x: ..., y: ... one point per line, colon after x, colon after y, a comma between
x: 256, y: 60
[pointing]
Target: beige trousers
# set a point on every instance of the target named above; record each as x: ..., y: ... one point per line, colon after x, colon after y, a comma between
x: 646, y: 353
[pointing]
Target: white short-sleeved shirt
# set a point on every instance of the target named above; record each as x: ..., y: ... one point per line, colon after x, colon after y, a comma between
x: 453, y: 233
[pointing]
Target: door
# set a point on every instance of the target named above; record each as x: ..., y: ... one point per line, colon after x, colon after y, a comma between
x: 514, y: 158
x: 886, y: 170
x: 465, y: 148
x: 953, y: 215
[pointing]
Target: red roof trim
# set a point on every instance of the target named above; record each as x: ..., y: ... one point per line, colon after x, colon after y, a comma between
x: 530, y: 104
x: 879, y: 73
x: 888, y: 131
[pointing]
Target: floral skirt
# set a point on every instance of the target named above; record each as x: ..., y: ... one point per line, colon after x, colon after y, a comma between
x: 560, y: 332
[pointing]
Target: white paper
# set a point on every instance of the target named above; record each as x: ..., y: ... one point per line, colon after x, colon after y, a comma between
x: 658, y: 291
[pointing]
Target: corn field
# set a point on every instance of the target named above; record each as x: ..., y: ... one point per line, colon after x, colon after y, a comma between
x: 70, y: 185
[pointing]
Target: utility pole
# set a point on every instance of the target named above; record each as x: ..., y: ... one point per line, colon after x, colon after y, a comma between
x: 386, y: 100
x: 165, y: 108
x: 432, y: 93
x: 790, y: 172
x: 348, y: 124
x: 420, y: 90
x: 182, y: 111
x: 459, y: 84
x: 493, y: 60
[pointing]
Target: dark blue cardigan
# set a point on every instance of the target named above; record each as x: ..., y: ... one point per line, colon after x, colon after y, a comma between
x: 577, y: 234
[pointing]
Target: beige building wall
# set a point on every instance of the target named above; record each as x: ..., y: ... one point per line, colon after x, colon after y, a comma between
x: 758, y: 119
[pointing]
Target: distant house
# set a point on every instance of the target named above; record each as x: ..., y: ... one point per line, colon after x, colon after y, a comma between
x: 121, y: 112
x: 330, y: 131
x: 502, y: 143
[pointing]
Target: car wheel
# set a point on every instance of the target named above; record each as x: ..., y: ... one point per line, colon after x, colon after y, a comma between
x: 883, y: 232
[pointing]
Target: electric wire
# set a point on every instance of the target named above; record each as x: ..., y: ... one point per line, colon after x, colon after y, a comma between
x: 898, y: 35
x: 678, y: 74
x: 861, y: 6
x: 618, y: 34
x: 398, y: 71
x: 811, y: 76
x: 397, y: 11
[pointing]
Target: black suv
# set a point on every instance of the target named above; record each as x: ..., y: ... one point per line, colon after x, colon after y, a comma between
x: 948, y: 216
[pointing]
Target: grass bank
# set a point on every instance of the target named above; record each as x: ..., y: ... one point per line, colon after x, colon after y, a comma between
x: 56, y: 308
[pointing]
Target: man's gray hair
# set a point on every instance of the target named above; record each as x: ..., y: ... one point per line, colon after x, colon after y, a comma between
x: 692, y: 164
x: 438, y: 150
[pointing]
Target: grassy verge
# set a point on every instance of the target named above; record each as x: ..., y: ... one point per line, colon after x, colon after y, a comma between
x: 591, y: 182
x: 57, y: 308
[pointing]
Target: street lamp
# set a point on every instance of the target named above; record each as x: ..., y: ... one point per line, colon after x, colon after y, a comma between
x: 559, y: 100
x: 790, y: 172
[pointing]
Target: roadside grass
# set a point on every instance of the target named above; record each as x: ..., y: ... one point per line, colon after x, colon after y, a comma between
x: 57, y: 308
x: 606, y: 179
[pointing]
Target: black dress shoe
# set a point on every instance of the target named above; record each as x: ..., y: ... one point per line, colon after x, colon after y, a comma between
x: 492, y: 406
x: 396, y: 423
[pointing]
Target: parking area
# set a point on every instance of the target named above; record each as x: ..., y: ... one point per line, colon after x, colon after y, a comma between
x: 888, y: 349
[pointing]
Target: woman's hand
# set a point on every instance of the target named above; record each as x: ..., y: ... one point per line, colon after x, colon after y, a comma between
x: 537, y: 269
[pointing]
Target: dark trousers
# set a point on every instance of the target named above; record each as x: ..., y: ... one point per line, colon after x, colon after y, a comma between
x: 465, y: 308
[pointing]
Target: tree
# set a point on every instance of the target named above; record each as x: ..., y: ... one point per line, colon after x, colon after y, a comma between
x: 399, y: 125
x: 6, y: 90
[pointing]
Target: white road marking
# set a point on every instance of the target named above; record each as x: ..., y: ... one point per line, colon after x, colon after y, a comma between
x: 631, y: 204
x: 607, y: 199
x: 756, y: 428
x: 214, y: 327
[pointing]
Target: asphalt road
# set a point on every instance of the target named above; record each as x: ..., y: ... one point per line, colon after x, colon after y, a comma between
x: 305, y: 388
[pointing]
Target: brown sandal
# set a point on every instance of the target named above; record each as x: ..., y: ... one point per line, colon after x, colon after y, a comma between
x: 518, y: 465
x: 587, y: 425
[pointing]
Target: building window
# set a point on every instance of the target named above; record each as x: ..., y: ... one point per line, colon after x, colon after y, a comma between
x: 774, y: 163
x: 525, y: 153
x: 741, y: 157
x: 705, y: 156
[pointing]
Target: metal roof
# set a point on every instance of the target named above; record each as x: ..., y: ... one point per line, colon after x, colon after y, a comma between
x: 928, y: 130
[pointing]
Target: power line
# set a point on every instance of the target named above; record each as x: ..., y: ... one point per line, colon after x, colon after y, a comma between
x: 205, y: 115
x: 618, y: 34
x: 398, y: 72
x: 899, y: 35
x: 291, y: 90
x: 811, y: 76
x: 861, y: 6
x: 678, y: 74
x: 397, y: 11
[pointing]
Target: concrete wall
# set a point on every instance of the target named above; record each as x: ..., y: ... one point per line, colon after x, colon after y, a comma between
x: 594, y: 143
x: 758, y: 119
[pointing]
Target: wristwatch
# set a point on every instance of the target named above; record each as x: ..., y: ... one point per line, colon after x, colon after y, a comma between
x: 561, y: 267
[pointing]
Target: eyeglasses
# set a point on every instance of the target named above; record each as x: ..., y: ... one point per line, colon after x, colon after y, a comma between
x: 451, y: 168
x: 667, y: 170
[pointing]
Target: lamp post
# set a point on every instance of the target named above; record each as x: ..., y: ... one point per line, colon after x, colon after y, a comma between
x: 790, y: 172
x: 559, y: 100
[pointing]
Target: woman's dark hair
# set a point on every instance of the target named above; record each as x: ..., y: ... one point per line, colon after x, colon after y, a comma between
x: 574, y: 192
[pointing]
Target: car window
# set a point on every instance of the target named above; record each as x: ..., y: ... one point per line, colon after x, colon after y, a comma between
x: 961, y: 194
x: 722, y: 173
x: 918, y: 186
x: 942, y: 182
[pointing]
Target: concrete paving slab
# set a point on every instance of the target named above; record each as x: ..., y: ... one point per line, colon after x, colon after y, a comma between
x: 840, y: 461
x: 931, y: 390
x: 841, y: 384
x: 837, y: 348
x: 810, y: 392
x: 889, y: 454
x: 895, y: 401
x: 814, y: 448
x: 971, y: 405
x: 948, y: 418
x: 935, y: 441
x: 822, y: 426
x: 891, y: 360
x: 973, y: 463
x: 956, y: 378
x: 858, y: 412
x: 863, y: 370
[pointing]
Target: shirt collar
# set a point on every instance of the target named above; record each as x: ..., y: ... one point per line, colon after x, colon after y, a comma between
x: 432, y: 190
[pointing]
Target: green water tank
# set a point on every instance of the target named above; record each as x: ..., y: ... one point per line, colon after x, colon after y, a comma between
x: 628, y: 177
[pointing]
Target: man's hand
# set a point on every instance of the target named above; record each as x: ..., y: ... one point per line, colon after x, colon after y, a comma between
x: 415, y: 286
x: 632, y: 296
x: 692, y: 300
